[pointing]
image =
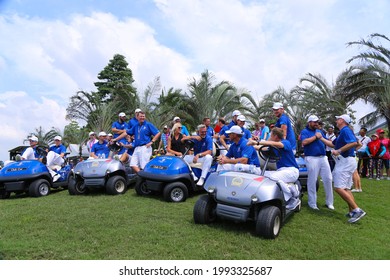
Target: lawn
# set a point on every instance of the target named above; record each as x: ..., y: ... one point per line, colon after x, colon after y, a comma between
x: 129, y: 227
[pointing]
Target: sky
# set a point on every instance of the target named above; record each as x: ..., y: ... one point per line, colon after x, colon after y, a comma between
x: 49, y: 50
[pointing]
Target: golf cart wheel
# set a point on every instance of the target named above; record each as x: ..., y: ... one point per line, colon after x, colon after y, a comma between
x: 175, y: 192
x: 39, y: 187
x: 116, y: 185
x: 76, y: 187
x: 4, y: 194
x: 269, y: 222
x: 141, y: 188
x: 204, y: 210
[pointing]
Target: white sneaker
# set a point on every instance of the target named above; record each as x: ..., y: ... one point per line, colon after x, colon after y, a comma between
x: 314, y: 207
x: 330, y: 206
x: 18, y: 157
x: 56, y: 177
x: 354, y: 190
x: 200, y: 182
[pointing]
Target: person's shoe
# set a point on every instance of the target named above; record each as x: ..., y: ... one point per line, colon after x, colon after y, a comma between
x: 330, y: 206
x: 354, y: 190
x: 348, y: 215
x: 116, y: 157
x: 200, y: 182
x: 293, y: 203
x: 18, y: 157
x: 356, y: 216
x: 370, y: 178
x: 388, y: 178
x: 378, y: 179
x: 56, y: 177
x: 314, y: 208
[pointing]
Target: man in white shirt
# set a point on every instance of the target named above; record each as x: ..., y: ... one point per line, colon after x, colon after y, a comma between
x: 361, y: 153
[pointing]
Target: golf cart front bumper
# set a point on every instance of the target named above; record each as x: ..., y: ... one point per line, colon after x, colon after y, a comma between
x: 232, y: 213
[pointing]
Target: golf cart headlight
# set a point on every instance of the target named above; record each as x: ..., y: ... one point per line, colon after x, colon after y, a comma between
x: 107, y: 171
x: 254, y: 198
x: 211, y: 189
x: 78, y: 172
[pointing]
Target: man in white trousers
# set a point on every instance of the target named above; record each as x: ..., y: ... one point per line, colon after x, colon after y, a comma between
x: 55, y: 157
x: 314, y: 147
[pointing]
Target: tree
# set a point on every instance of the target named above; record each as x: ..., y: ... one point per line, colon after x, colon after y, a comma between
x: 44, y: 138
x: 369, y: 78
x: 209, y: 100
x: 115, y: 93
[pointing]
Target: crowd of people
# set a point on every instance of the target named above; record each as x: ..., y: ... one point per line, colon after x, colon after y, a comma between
x: 327, y: 155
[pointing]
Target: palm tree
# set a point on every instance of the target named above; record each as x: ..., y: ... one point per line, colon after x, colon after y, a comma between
x: 44, y: 138
x: 369, y: 79
x: 211, y: 100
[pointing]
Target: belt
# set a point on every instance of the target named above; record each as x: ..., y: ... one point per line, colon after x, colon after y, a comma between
x: 347, y: 156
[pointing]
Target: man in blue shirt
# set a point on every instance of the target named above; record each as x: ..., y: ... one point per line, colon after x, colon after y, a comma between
x: 202, y: 152
x: 119, y: 126
x: 316, y: 162
x: 287, y: 171
x: 241, y: 122
x: 184, y: 129
x: 55, y: 157
x: 240, y: 156
x: 134, y: 120
x: 344, y: 151
x: 145, y: 134
x: 235, y: 114
x: 100, y: 148
x: 210, y: 130
x: 284, y: 123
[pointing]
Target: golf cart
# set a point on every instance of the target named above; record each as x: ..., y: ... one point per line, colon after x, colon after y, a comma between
x: 102, y: 173
x: 171, y: 176
x: 31, y: 176
x: 243, y: 197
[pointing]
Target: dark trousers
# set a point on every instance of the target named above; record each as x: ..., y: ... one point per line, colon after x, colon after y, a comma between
x: 363, y: 163
x: 330, y: 160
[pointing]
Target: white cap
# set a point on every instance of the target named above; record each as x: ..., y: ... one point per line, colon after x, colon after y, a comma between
x: 176, y: 118
x: 91, y: 133
x: 121, y: 114
x: 262, y: 120
x: 313, y: 118
x: 235, y: 129
x: 58, y: 138
x: 33, y: 138
x: 109, y: 134
x: 277, y: 105
x: 137, y: 110
x: 241, y: 118
x: 102, y: 133
x: 165, y: 126
x: 236, y: 113
x: 345, y: 117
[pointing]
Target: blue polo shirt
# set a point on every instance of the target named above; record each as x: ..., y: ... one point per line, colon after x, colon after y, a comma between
x: 132, y: 122
x: 241, y: 149
x: 210, y: 131
x: 184, y: 130
x: 315, y: 148
x: 101, y: 148
x: 142, y: 133
x: 287, y: 158
x: 264, y: 130
x: 206, y: 144
x: 118, y: 125
x: 247, y: 133
x: 290, y: 132
x: 231, y: 124
x: 345, y: 137
x: 223, y: 132
x: 58, y: 149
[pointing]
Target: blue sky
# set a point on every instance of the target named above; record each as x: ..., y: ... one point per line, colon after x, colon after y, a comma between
x: 51, y: 49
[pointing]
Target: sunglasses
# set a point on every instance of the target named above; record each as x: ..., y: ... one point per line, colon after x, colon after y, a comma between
x: 180, y: 127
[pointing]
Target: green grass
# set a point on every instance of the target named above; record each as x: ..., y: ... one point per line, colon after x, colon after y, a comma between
x: 99, y: 226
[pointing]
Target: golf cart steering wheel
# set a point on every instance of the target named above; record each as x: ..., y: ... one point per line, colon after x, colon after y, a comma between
x: 270, y: 153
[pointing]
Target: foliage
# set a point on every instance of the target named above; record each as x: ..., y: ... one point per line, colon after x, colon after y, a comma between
x: 369, y: 78
x: 45, y: 138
